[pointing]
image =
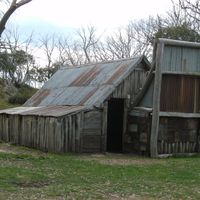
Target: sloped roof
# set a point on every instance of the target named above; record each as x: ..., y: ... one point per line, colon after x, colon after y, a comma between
x: 85, y: 85
x: 51, y: 111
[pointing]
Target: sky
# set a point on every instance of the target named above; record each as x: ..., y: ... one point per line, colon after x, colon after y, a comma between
x: 63, y: 16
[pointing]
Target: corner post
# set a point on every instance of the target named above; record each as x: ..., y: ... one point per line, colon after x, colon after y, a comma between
x: 156, y: 100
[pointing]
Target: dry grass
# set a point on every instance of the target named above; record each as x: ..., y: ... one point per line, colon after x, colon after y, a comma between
x: 121, y: 159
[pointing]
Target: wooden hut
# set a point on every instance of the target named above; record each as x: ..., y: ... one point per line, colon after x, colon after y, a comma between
x: 166, y: 113
x: 80, y: 109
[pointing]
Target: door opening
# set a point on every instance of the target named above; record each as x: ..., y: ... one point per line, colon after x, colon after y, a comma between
x: 115, y: 125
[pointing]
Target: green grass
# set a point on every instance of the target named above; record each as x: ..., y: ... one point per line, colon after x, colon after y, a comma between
x: 4, y: 104
x: 35, y: 175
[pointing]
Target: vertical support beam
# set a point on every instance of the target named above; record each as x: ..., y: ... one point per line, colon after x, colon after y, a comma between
x: 104, y: 127
x: 156, y: 101
x: 196, y: 95
x: 125, y: 116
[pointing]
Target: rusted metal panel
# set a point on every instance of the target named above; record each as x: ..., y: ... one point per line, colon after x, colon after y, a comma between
x: 118, y: 73
x: 100, y: 95
x: 86, y: 78
x: 88, y: 96
x: 38, y: 97
x: 180, y: 93
x: 86, y: 85
x: 53, y: 111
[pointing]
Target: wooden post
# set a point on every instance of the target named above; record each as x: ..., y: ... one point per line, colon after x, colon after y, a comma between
x: 124, y: 123
x: 104, y: 128
x: 156, y: 100
x: 196, y: 95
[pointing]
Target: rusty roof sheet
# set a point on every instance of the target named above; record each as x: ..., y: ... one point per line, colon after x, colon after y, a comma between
x: 84, y: 85
x: 51, y: 111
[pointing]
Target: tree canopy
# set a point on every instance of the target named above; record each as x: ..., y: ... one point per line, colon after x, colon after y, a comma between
x: 182, y: 32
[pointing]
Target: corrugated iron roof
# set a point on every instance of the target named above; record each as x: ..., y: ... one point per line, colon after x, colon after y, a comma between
x: 51, y: 111
x: 85, y: 85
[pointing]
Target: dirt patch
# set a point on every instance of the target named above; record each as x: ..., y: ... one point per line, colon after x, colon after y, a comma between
x: 35, y: 184
x: 130, y: 197
x: 9, y: 148
x: 125, y: 162
x: 25, y: 194
x: 122, y: 159
x: 6, y: 151
x: 105, y: 159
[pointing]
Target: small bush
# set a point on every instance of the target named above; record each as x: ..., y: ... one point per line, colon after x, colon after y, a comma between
x: 1, y: 88
x: 23, y: 94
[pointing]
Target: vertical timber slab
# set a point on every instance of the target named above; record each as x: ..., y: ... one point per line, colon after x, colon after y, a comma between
x: 12, y: 128
x: 41, y: 133
x: 66, y: 130
x: 81, y: 122
x: 1, y: 127
x: 73, y: 133
x: 70, y: 134
x: 5, y: 138
x: 156, y: 101
x: 104, y: 127
x: 78, y: 132
x: 22, y: 131
x: 58, y: 145
x: 196, y: 95
x: 51, y: 135
x: 34, y: 132
x: 46, y: 132
x: 124, y: 122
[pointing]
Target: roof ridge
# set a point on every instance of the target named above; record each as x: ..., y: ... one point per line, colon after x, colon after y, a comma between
x: 103, y: 62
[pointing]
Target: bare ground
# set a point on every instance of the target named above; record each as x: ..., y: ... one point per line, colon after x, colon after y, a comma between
x: 121, y: 159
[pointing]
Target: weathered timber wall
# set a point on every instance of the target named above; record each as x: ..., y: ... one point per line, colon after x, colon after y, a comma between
x: 178, y: 135
x: 62, y: 134
x: 92, y: 132
x: 130, y: 86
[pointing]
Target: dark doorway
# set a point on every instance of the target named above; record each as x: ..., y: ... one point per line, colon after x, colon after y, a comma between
x: 115, y: 125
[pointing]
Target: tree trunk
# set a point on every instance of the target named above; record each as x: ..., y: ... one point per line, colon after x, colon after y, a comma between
x: 14, y: 5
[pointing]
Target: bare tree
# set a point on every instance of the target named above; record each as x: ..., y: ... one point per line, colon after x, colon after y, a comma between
x: 87, y: 41
x: 101, y: 52
x: 14, y: 5
x: 192, y: 8
x: 80, y: 49
x: 132, y: 40
x: 48, y: 45
x: 69, y: 52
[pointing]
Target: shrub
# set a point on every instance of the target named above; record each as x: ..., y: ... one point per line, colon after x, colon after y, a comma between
x: 1, y: 88
x: 23, y: 94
